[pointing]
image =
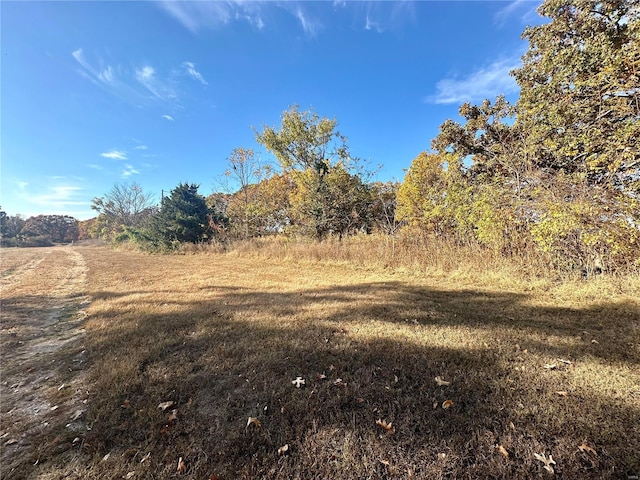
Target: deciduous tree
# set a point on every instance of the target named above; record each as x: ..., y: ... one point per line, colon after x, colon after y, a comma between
x: 580, y: 90
x: 245, y: 209
x: 311, y: 149
x: 125, y: 205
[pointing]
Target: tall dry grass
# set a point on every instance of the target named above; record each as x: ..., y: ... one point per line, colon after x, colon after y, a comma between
x: 428, y: 256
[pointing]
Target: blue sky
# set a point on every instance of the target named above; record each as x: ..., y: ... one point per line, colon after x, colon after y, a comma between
x: 158, y: 93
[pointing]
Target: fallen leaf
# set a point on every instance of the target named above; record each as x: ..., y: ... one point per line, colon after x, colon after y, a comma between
x: 321, y: 376
x: 164, y: 405
x: 298, y: 382
x: 442, y: 382
x: 61, y: 387
x: 77, y: 414
x: 126, y: 404
x: 181, y: 466
x: 566, y: 362
x: 502, y: 451
x: 106, y: 457
x: 387, y: 426
x: 11, y: 441
x: 562, y: 393
x: 586, y: 449
x: 146, y: 457
x: 283, y: 449
x: 435, y: 405
x: 384, y: 462
x: 547, y: 461
x: 513, y: 427
x: 129, y: 475
x: 172, y: 416
x: 447, y: 403
x: 253, y: 421
x: 550, y: 366
x: 359, y: 400
x: 595, y: 342
x: 338, y: 382
x: 395, y: 379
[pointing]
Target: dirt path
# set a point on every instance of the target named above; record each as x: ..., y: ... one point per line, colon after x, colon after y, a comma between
x: 42, y: 391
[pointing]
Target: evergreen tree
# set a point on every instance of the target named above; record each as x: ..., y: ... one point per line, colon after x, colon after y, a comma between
x: 183, y: 217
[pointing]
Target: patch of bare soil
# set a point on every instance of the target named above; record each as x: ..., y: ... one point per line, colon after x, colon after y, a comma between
x: 42, y: 391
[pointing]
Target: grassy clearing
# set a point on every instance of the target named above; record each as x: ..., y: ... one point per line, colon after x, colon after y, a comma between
x: 223, y: 336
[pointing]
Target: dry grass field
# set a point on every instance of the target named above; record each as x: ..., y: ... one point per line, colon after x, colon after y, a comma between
x: 191, y: 362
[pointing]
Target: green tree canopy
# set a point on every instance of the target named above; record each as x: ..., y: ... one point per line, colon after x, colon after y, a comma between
x: 183, y: 217
x: 330, y: 193
x: 580, y: 89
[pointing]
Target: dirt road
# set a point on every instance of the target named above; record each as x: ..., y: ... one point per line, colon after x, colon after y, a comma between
x: 42, y: 391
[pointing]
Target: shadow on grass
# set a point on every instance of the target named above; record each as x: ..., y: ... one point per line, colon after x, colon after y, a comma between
x: 614, y: 326
x: 233, y: 357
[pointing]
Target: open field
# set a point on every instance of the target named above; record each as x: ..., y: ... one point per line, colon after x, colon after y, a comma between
x: 547, y: 371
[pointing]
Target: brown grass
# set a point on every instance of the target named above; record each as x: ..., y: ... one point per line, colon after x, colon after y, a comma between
x: 224, y: 335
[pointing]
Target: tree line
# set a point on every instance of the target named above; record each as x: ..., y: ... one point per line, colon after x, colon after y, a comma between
x: 37, y: 231
x: 555, y: 175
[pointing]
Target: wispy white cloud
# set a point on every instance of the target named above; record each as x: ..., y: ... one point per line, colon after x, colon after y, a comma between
x: 190, y: 69
x: 256, y: 22
x: 95, y: 167
x: 114, y: 155
x: 107, y: 77
x: 63, y: 196
x: 371, y: 24
x: 141, y: 147
x: 132, y: 85
x: 197, y: 15
x: 104, y: 76
x: 309, y: 25
x: 485, y: 82
x: 200, y: 14
x: 59, y: 197
x: 128, y: 171
x: 524, y: 10
x: 160, y: 89
x: 168, y: 117
x: 381, y: 17
x: 312, y: 17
